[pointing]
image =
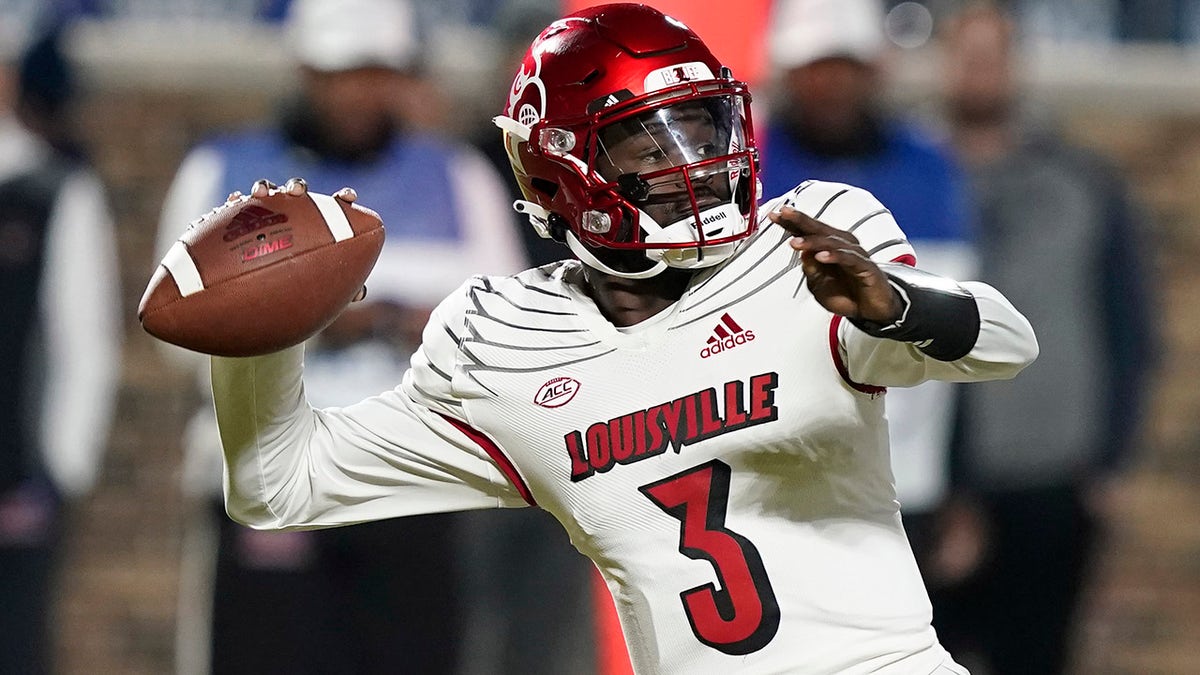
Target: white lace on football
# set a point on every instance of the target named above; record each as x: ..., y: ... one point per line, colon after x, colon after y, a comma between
x: 335, y: 218
x: 183, y: 269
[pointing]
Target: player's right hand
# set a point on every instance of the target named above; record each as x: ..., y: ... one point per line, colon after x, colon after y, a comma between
x: 840, y: 274
x: 294, y: 186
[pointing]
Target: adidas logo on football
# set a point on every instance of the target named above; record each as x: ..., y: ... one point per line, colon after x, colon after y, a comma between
x: 251, y: 219
x: 727, y: 335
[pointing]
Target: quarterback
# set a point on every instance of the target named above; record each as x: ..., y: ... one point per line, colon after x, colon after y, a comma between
x: 698, y: 395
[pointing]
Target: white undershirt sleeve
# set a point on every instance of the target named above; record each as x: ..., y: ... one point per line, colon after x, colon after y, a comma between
x: 289, y: 466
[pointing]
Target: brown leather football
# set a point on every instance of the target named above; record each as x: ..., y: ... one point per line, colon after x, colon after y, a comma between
x: 261, y: 274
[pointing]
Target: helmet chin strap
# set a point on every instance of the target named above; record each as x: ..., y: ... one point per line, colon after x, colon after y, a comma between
x: 663, y: 258
x: 723, y: 217
x: 587, y: 258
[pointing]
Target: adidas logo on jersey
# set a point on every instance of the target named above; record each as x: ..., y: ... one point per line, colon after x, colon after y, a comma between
x: 727, y: 335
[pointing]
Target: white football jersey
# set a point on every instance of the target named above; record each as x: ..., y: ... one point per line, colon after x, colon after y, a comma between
x: 724, y: 464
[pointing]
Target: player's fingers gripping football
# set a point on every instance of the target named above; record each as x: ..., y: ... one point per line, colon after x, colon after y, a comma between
x: 294, y: 186
x: 840, y: 274
x: 262, y: 188
x: 298, y: 187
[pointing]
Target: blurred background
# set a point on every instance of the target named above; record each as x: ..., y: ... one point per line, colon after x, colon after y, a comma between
x: 151, y: 77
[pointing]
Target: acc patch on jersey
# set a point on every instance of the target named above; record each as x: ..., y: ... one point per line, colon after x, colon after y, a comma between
x: 557, y: 392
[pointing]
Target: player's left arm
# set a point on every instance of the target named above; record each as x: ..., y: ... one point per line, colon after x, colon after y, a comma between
x: 904, y: 325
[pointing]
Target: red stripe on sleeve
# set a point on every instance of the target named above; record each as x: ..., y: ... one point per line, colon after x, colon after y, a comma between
x: 836, y: 354
x: 906, y: 259
x: 489, y: 446
x: 611, y: 652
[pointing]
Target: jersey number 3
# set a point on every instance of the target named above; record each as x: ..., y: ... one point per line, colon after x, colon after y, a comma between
x: 741, y: 615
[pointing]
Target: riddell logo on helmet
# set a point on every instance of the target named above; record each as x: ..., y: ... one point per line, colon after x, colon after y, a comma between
x: 727, y: 335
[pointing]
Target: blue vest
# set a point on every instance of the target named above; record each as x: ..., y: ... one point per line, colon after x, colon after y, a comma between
x: 914, y: 178
x: 408, y: 185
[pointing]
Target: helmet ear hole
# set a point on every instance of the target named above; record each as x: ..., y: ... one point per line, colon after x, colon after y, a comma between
x: 558, y: 228
x: 546, y: 187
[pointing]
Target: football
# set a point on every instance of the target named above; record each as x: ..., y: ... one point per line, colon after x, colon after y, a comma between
x: 260, y: 274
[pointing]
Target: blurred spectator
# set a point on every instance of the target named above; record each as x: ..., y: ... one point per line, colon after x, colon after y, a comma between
x: 1070, y: 22
x: 60, y: 347
x: 516, y: 26
x: 1102, y: 22
x: 534, y: 610
x: 1058, y: 236
x: 829, y: 122
x: 384, y: 597
x: 1153, y: 20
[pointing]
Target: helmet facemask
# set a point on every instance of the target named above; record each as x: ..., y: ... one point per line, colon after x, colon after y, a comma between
x: 684, y: 177
x: 668, y: 185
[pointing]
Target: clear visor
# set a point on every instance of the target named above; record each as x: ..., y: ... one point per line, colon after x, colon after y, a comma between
x: 676, y: 164
x: 671, y: 136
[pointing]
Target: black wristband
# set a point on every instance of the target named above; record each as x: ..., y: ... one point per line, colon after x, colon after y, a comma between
x: 940, y: 317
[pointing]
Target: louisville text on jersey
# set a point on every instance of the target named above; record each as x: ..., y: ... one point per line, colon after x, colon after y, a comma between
x: 688, y: 419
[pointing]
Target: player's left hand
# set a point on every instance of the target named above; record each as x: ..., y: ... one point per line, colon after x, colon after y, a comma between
x: 296, y: 187
x: 841, y: 276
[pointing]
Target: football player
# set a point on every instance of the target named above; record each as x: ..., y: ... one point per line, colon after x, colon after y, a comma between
x: 698, y: 396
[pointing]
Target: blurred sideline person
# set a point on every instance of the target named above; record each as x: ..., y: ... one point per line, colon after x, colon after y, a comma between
x: 697, y: 398
x: 1058, y: 234
x: 516, y: 25
x: 382, y: 597
x: 829, y: 121
x: 60, y: 346
x: 534, y: 608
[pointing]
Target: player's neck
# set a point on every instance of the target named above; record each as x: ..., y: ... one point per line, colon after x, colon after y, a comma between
x: 628, y: 302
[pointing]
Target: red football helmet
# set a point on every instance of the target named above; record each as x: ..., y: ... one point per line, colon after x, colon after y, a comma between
x: 632, y: 143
